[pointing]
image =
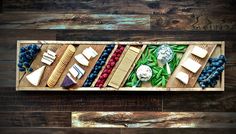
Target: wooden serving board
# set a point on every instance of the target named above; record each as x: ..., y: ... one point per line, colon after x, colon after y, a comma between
x: 173, y: 82
x: 60, y: 46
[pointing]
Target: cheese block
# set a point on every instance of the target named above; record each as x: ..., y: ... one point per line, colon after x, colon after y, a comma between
x: 35, y: 77
x: 199, y: 52
x: 183, y: 77
x: 191, y: 65
x: 82, y: 60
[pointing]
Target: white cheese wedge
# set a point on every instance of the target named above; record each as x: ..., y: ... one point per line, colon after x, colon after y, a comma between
x: 82, y: 60
x: 35, y: 77
x: 191, y: 65
x: 199, y: 52
x: 183, y: 77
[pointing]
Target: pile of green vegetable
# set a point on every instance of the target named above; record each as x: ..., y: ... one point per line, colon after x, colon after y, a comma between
x: 160, y: 75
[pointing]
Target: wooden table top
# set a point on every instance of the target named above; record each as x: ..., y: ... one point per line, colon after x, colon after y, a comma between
x: 121, y: 20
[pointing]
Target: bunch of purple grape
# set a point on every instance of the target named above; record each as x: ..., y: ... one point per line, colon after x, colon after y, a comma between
x: 212, y: 72
x: 26, y: 56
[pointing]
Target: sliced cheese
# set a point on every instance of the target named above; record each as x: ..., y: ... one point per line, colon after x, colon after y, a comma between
x: 48, y: 62
x: 82, y: 60
x: 87, y: 53
x: 49, y: 56
x: 76, y: 71
x: 191, y: 65
x: 35, y: 77
x: 183, y: 77
x: 200, y: 52
x: 93, y: 52
x: 73, y: 72
x: 51, y: 53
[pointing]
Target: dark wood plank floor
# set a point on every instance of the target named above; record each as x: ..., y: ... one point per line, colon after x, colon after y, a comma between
x: 121, y: 20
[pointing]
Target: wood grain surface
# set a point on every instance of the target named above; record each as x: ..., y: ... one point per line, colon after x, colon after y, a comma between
x: 154, y: 119
x: 169, y: 20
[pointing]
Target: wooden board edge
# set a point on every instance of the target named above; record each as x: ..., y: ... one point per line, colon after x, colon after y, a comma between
x: 117, y: 42
x: 223, y: 73
x: 120, y: 89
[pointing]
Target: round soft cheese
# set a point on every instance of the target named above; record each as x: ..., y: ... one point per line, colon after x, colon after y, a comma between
x: 144, y: 73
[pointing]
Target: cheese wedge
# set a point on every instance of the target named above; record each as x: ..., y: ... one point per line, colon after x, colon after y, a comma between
x: 199, y: 52
x: 191, y: 65
x: 89, y: 53
x: 68, y: 81
x: 35, y: 77
x: 82, y: 60
x: 183, y: 77
x: 76, y: 71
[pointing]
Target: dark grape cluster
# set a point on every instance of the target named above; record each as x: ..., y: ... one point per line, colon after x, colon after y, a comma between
x: 212, y: 72
x: 26, y: 56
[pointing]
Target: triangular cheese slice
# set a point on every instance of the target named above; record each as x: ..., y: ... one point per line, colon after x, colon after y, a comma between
x: 35, y: 77
x: 68, y: 81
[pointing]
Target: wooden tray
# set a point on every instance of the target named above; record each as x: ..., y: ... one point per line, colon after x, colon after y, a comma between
x: 57, y: 46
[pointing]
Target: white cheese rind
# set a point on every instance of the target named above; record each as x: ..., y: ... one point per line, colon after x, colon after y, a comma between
x: 191, y: 65
x: 199, y: 52
x: 183, y: 77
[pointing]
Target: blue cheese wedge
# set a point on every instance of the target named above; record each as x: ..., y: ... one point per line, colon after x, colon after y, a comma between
x: 82, y: 60
x: 68, y: 81
x: 191, y: 65
x: 199, y: 52
x: 35, y: 77
x: 183, y: 77
x: 76, y: 71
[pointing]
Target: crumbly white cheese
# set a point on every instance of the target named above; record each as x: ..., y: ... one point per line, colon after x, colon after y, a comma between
x: 191, y: 65
x: 198, y: 51
x: 144, y: 73
x: 183, y: 77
